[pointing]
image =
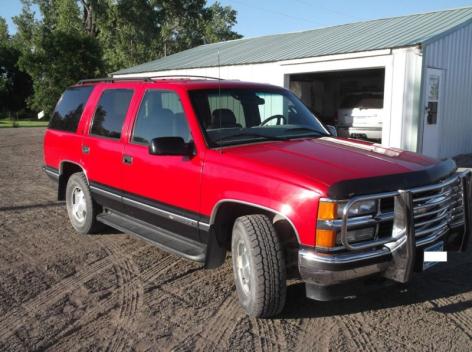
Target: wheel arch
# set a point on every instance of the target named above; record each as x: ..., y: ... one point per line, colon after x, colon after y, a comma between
x: 66, y: 169
x: 222, y: 218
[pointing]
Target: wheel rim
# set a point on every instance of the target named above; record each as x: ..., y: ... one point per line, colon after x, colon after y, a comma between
x: 79, y: 205
x: 243, y: 267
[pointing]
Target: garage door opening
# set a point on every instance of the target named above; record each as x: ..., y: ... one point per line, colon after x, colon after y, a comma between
x: 350, y: 100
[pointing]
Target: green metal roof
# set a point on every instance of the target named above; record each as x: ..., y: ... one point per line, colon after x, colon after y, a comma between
x: 348, y: 38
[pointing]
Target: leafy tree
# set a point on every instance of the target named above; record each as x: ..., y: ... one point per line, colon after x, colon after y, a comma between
x: 56, y: 52
x: 76, y: 39
x: 15, y: 85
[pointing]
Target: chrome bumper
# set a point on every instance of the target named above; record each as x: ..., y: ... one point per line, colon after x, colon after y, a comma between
x: 393, y: 257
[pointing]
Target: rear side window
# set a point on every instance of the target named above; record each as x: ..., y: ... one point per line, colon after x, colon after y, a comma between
x: 111, y: 112
x: 69, y: 109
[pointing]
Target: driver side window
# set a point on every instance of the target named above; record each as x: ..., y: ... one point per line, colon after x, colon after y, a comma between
x: 160, y: 115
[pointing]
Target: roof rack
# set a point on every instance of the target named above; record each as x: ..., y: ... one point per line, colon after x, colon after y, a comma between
x: 145, y: 79
x: 185, y: 76
x: 113, y: 79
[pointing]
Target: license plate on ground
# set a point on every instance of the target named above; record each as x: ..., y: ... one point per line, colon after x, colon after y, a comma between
x: 437, y: 247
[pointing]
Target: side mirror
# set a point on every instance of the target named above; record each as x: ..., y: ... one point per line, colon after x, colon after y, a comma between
x: 332, y: 130
x: 170, y: 146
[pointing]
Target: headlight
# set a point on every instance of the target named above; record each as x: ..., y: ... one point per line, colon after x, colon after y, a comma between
x: 364, y: 207
x: 358, y: 235
x: 330, y: 210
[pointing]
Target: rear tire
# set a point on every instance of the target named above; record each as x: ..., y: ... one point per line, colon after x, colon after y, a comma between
x: 81, y: 207
x: 258, y: 266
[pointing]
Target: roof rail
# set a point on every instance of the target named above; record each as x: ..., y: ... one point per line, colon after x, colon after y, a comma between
x: 145, y: 79
x: 113, y: 79
x: 184, y: 76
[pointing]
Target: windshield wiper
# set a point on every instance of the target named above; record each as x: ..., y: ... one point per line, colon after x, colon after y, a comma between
x: 250, y: 134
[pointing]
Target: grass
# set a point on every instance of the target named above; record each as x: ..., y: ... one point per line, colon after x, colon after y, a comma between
x: 8, y: 123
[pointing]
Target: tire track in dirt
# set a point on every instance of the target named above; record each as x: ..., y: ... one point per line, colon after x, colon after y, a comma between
x: 114, y: 301
x: 130, y: 303
x: 354, y: 330
x: 214, y: 335
x: 315, y: 332
x: 461, y: 319
x: 271, y: 335
x: 14, y: 318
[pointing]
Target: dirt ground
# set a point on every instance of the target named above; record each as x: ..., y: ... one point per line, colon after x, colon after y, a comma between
x: 60, y: 291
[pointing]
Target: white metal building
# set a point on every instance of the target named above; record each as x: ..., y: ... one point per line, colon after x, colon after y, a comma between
x: 421, y: 64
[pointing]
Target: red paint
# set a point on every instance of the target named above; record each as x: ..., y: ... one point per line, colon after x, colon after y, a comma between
x: 286, y: 176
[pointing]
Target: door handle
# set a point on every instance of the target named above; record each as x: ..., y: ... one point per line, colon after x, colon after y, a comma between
x: 127, y: 159
x: 85, y: 149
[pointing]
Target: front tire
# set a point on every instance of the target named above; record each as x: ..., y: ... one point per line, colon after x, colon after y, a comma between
x: 81, y: 208
x: 258, y: 266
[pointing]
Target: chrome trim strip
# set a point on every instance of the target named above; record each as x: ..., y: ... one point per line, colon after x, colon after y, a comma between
x: 166, y: 214
x: 342, y: 258
x: 51, y: 173
x: 229, y: 200
x: 157, y: 211
x: 105, y: 193
x: 203, y: 226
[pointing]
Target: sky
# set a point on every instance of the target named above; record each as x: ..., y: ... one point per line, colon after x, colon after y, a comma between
x: 261, y: 17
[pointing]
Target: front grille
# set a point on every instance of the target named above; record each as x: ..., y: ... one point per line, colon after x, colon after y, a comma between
x: 437, y: 207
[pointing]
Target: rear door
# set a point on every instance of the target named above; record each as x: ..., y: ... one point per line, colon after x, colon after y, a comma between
x: 102, y: 145
x: 161, y: 190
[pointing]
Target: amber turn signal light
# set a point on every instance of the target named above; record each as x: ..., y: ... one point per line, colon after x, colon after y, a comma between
x: 327, y: 211
x: 325, y: 238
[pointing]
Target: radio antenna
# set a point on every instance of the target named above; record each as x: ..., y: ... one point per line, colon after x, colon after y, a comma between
x: 219, y: 94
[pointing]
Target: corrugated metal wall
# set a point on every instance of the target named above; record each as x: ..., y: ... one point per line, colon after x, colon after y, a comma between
x: 453, y: 53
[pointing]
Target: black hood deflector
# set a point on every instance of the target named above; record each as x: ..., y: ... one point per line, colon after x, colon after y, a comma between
x: 388, y: 183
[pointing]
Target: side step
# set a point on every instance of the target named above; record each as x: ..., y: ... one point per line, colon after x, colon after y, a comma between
x: 161, y: 238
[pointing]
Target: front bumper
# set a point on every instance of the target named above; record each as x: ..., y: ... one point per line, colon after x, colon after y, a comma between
x: 394, y: 258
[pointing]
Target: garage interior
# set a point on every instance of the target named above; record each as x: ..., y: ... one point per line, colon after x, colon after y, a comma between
x: 332, y: 95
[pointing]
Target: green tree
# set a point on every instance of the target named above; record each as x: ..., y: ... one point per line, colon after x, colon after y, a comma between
x: 76, y: 39
x: 56, y: 52
x: 15, y: 85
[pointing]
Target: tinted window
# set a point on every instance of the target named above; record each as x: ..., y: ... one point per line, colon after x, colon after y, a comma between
x: 160, y: 115
x: 110, y: 113
x: 69, y: 109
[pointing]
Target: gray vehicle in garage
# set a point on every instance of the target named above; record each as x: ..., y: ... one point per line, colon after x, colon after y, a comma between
x: 360, y: 115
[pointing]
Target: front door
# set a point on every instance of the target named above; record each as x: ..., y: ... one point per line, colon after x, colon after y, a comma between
x: 160, y: 189
x: 432, y: 113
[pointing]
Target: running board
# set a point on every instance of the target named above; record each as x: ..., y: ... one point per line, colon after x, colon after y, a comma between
x: 166, y: 240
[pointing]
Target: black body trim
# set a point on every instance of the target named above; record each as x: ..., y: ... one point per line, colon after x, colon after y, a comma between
x: 158, y: 236
x: 175, y: 220
x: 394, y: 182
x: 153, y: 203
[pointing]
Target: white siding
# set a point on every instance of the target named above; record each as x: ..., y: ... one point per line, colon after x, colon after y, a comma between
x: 453, y: 53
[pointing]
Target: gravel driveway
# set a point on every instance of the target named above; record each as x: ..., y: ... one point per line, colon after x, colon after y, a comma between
x: 111, y: 292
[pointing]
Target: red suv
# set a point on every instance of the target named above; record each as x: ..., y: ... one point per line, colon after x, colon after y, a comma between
x: 200, y: 167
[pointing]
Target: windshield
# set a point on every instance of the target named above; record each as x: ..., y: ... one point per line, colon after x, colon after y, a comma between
x: 237, y: 116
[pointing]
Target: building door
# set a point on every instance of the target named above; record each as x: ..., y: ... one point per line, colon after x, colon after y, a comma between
x: 432, y: 117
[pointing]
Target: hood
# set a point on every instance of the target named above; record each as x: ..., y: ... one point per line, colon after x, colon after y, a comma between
x: 340, y: 168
